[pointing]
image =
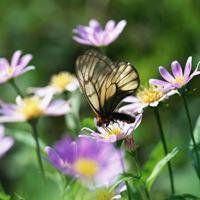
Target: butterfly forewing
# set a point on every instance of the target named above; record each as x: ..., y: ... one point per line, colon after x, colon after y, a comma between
x: 104, y: 83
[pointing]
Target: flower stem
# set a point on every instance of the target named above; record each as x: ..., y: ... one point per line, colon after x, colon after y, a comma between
x: 147, y: 194
x: 33, y: 125
x: 16, y: 88
x: 157, y: 115
x: 118, y: 145
x: 191, y: 128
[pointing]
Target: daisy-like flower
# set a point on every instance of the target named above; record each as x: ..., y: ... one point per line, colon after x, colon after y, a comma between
x: 63, y: 81
x: 95, y: 35
x: 95, y: 163
x: 31, y: 108
x: 150, y: 96
x: 6, y: 142
x: 16, y: 67
x: 114, y: 131
x: 178, y: 78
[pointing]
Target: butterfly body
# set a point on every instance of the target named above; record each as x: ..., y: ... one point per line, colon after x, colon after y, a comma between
x: 104, y: 84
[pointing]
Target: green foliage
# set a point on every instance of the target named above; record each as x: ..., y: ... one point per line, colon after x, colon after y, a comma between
x: 89, y: 123
x: 159, y: 166
x: 4, y: 196
x: 183, y: 197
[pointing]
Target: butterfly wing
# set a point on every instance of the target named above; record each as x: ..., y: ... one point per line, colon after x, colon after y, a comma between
x: 104, y: 83
x: 92, y: 69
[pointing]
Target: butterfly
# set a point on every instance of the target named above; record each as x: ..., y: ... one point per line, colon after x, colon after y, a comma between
x: 104, y: 84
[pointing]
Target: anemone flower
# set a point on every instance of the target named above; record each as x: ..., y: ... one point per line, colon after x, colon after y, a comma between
x: 17, y: 66
x: 149, y: 96
x: 178, y: 78
x: 114, y: 131
x: 95, y: 35
x: 31, y: 108
x: 63, y: 81
x: 96, y: 163
x: 6, y: 142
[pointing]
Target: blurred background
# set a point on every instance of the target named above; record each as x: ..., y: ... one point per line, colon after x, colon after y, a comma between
x: 157, y: 33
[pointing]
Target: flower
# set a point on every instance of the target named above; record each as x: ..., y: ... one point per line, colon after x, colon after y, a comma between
x: 58, y: 84
x: 150, y: 96
x: 95, y: 35
x: 95, y: 163
x: 16, y: 67
x: 32, y: 107
x: 114, y: 131
x: 179, y: 78
x: 6, y: 142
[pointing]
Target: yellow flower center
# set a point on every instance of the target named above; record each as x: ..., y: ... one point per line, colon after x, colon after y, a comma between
x: 31, y: 108
x: 149, y: 95
x: 10, y: 71
x: 180, y: 80
x: 114, y: 131
x: 104, y: 195
x: 86, y: 167
x: 61, y: 80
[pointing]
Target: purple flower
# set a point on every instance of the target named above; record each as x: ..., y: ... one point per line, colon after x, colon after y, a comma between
x: 178, y: 78
x: 95, y: 163
x: 16, y: 67
x: 63, y: 81
x: 6, y: 142
x: 32, y: 107
x: 95, y: 35
x: 114, y: 131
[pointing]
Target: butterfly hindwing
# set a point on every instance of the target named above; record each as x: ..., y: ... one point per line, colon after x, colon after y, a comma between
x: 104, y: 83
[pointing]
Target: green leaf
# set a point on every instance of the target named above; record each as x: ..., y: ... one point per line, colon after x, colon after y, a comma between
x: 159, y: 166
x: 196, y: 132
x: 4, y: 196
x: 125, y: 177
x: 24, y: 137
x: 183, y: 197
x: 155, y: 156
x: 88, y: 122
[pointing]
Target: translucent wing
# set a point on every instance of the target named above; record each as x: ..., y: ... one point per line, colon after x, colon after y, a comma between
x: 104, y: 83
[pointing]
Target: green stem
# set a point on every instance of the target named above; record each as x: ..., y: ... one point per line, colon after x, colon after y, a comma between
x: 118, y: 145
x: 157, y: 115
x: 147, y: 194
x: 191, y: 128
x: 33, y: 125
x: 16, y: 88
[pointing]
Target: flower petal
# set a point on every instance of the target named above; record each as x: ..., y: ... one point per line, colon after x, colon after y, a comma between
x: 5, y: 144
x: 176, y: 69
x: 188, y: 67
x: 158, y: 82
x: 165, y: 74
x: 15, y: 58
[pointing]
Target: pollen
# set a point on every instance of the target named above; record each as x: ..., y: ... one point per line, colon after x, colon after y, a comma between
x: 86, y: 167
x: 62, y: 80
x: 31, y: 108
x: 10, y: 71
x: 149, y: 95
x: 114, y: 131
x: 180, y: 80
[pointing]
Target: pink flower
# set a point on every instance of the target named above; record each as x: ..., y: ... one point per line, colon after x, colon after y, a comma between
x: 16, y: 67
x: 95, y: 35
x: 32, y: 107
x: 6, y: 142
x: 178, y: 78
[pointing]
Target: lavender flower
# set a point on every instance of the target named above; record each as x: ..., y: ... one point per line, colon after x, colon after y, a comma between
x: 95, y: 163
x: 6, y: 142
x: 114, y: 131
x: 32, y: 107
x: 179, y: 78
x: 95, y: 35
x: 16, y: 67
x: 63, y: 81
x: 150, y: 96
